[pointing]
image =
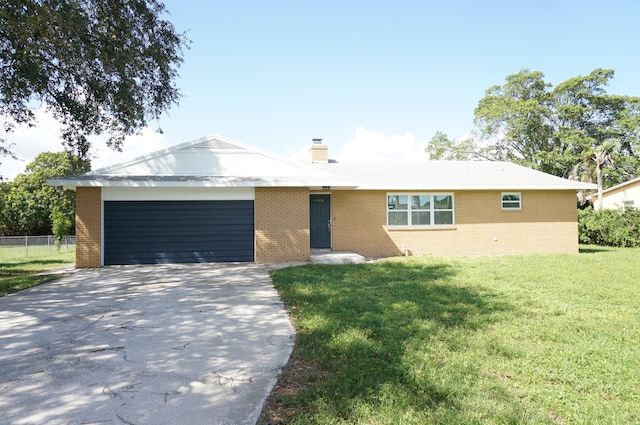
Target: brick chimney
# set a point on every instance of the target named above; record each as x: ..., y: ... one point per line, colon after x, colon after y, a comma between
x: 318, y: 152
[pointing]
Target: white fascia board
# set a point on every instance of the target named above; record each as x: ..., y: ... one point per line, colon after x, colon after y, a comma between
x: 621, y: 185
x: 203, y: 184
x: 66, y: 183
x: 463, y: 188
x: 294, y: 183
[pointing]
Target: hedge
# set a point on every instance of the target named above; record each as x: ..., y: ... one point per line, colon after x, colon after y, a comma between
x: 620, y: 228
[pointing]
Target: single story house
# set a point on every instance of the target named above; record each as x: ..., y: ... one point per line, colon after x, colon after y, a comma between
x: 624, y: 195
x: 214, y: 199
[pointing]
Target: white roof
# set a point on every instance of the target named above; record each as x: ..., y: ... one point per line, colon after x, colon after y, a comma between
x: 631, y: 182
x: 212, y: 161
x: 216, y: 161
x: 448, y: 175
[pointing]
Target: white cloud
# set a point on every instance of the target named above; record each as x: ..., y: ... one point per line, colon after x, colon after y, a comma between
x: 372, y: 145
x: 29, y: 142
x: 303, y: 153
x: 146, y: 142
x: 45, y: 137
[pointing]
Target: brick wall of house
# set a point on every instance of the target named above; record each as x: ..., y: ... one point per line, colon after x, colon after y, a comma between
x: 358, y: 223
x: 88, y: 222
x: 282, y: 224
x: 546, y: 223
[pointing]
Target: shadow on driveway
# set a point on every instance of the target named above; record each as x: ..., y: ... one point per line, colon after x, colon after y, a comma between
x: 196, y: 344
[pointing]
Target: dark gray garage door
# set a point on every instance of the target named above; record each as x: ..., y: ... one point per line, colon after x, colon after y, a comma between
x: 151, y: 232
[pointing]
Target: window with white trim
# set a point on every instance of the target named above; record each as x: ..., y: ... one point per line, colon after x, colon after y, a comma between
x: 420, y: 209
x: 628, y: 204
x: 511, y: 201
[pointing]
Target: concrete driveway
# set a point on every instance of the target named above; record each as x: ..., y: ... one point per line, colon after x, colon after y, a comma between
x: 167, y: 344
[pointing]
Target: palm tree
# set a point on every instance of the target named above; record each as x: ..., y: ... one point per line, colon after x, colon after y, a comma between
x: 601, y: 158
x: 594, y: 161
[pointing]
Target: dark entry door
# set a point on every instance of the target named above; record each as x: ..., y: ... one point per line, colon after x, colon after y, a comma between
x: 320, y: 221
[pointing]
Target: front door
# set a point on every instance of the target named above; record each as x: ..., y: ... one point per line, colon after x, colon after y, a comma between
x: 320, y: 221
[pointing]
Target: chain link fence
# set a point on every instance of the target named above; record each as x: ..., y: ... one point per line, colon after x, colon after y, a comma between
x: 34, y: 246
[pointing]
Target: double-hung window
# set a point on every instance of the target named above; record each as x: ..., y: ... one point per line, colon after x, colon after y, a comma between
x: 420, y: 209
x: 511, y: 201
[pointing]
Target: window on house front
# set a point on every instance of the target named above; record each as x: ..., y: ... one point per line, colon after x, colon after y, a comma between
x: 419, y: 209
x: 628, y: 204
x: 511, y: 201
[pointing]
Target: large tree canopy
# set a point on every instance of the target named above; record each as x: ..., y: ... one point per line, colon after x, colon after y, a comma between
x: 573, y: 130
x: 441, y: 147
x: 28, y: 206
x: 100, y: 66
x: 558, y: 129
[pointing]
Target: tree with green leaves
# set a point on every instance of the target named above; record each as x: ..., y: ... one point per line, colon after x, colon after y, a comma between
x: 31, y: 207
x: 99, y: 66
x: 441, y: 147
x: 553, y: 129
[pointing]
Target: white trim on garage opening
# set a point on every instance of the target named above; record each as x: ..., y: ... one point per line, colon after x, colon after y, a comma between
x: 177, y: 194
x: 171, y: 194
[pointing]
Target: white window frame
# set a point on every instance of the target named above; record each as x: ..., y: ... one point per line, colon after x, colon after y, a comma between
x: 515, y: 206
x: 432, y: 210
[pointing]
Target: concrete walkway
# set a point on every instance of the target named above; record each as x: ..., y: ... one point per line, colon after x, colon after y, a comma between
x: 327, y: 256
x: 170, y: 344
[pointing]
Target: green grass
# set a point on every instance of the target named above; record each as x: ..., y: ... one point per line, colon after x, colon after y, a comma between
x: 544, y: 339
x: 18, y: 272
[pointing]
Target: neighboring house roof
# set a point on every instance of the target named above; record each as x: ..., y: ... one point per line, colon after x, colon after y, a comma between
x: 448, y: 175
x: 625, y: 185
x: 216, y: 161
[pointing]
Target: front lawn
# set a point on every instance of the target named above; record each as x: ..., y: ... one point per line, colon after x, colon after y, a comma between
x: 543, y: 339
x: 18, y: 272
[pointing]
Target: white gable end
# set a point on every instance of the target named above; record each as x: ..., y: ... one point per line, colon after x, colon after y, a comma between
x: 212, y: 161
x: 212, y: 156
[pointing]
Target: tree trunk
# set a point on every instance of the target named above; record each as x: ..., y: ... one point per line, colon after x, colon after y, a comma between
x: 599, y: 175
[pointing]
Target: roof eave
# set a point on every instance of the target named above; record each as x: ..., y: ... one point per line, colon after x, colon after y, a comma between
x: 72, y: 184
x: 310, y: 181
x: 621, y: 185
x: 463, y: 188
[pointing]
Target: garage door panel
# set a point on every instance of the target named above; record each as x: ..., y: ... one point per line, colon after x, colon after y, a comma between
x: 192, y: 239
x: 149, y: 232
x: 182, y: 257
x: 211, y: 226
x: 173, y: 246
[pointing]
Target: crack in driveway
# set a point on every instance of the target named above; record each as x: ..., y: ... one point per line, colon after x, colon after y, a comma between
x: 198, y: 344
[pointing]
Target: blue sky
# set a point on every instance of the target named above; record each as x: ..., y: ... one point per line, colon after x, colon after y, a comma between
x: 372, y: 78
